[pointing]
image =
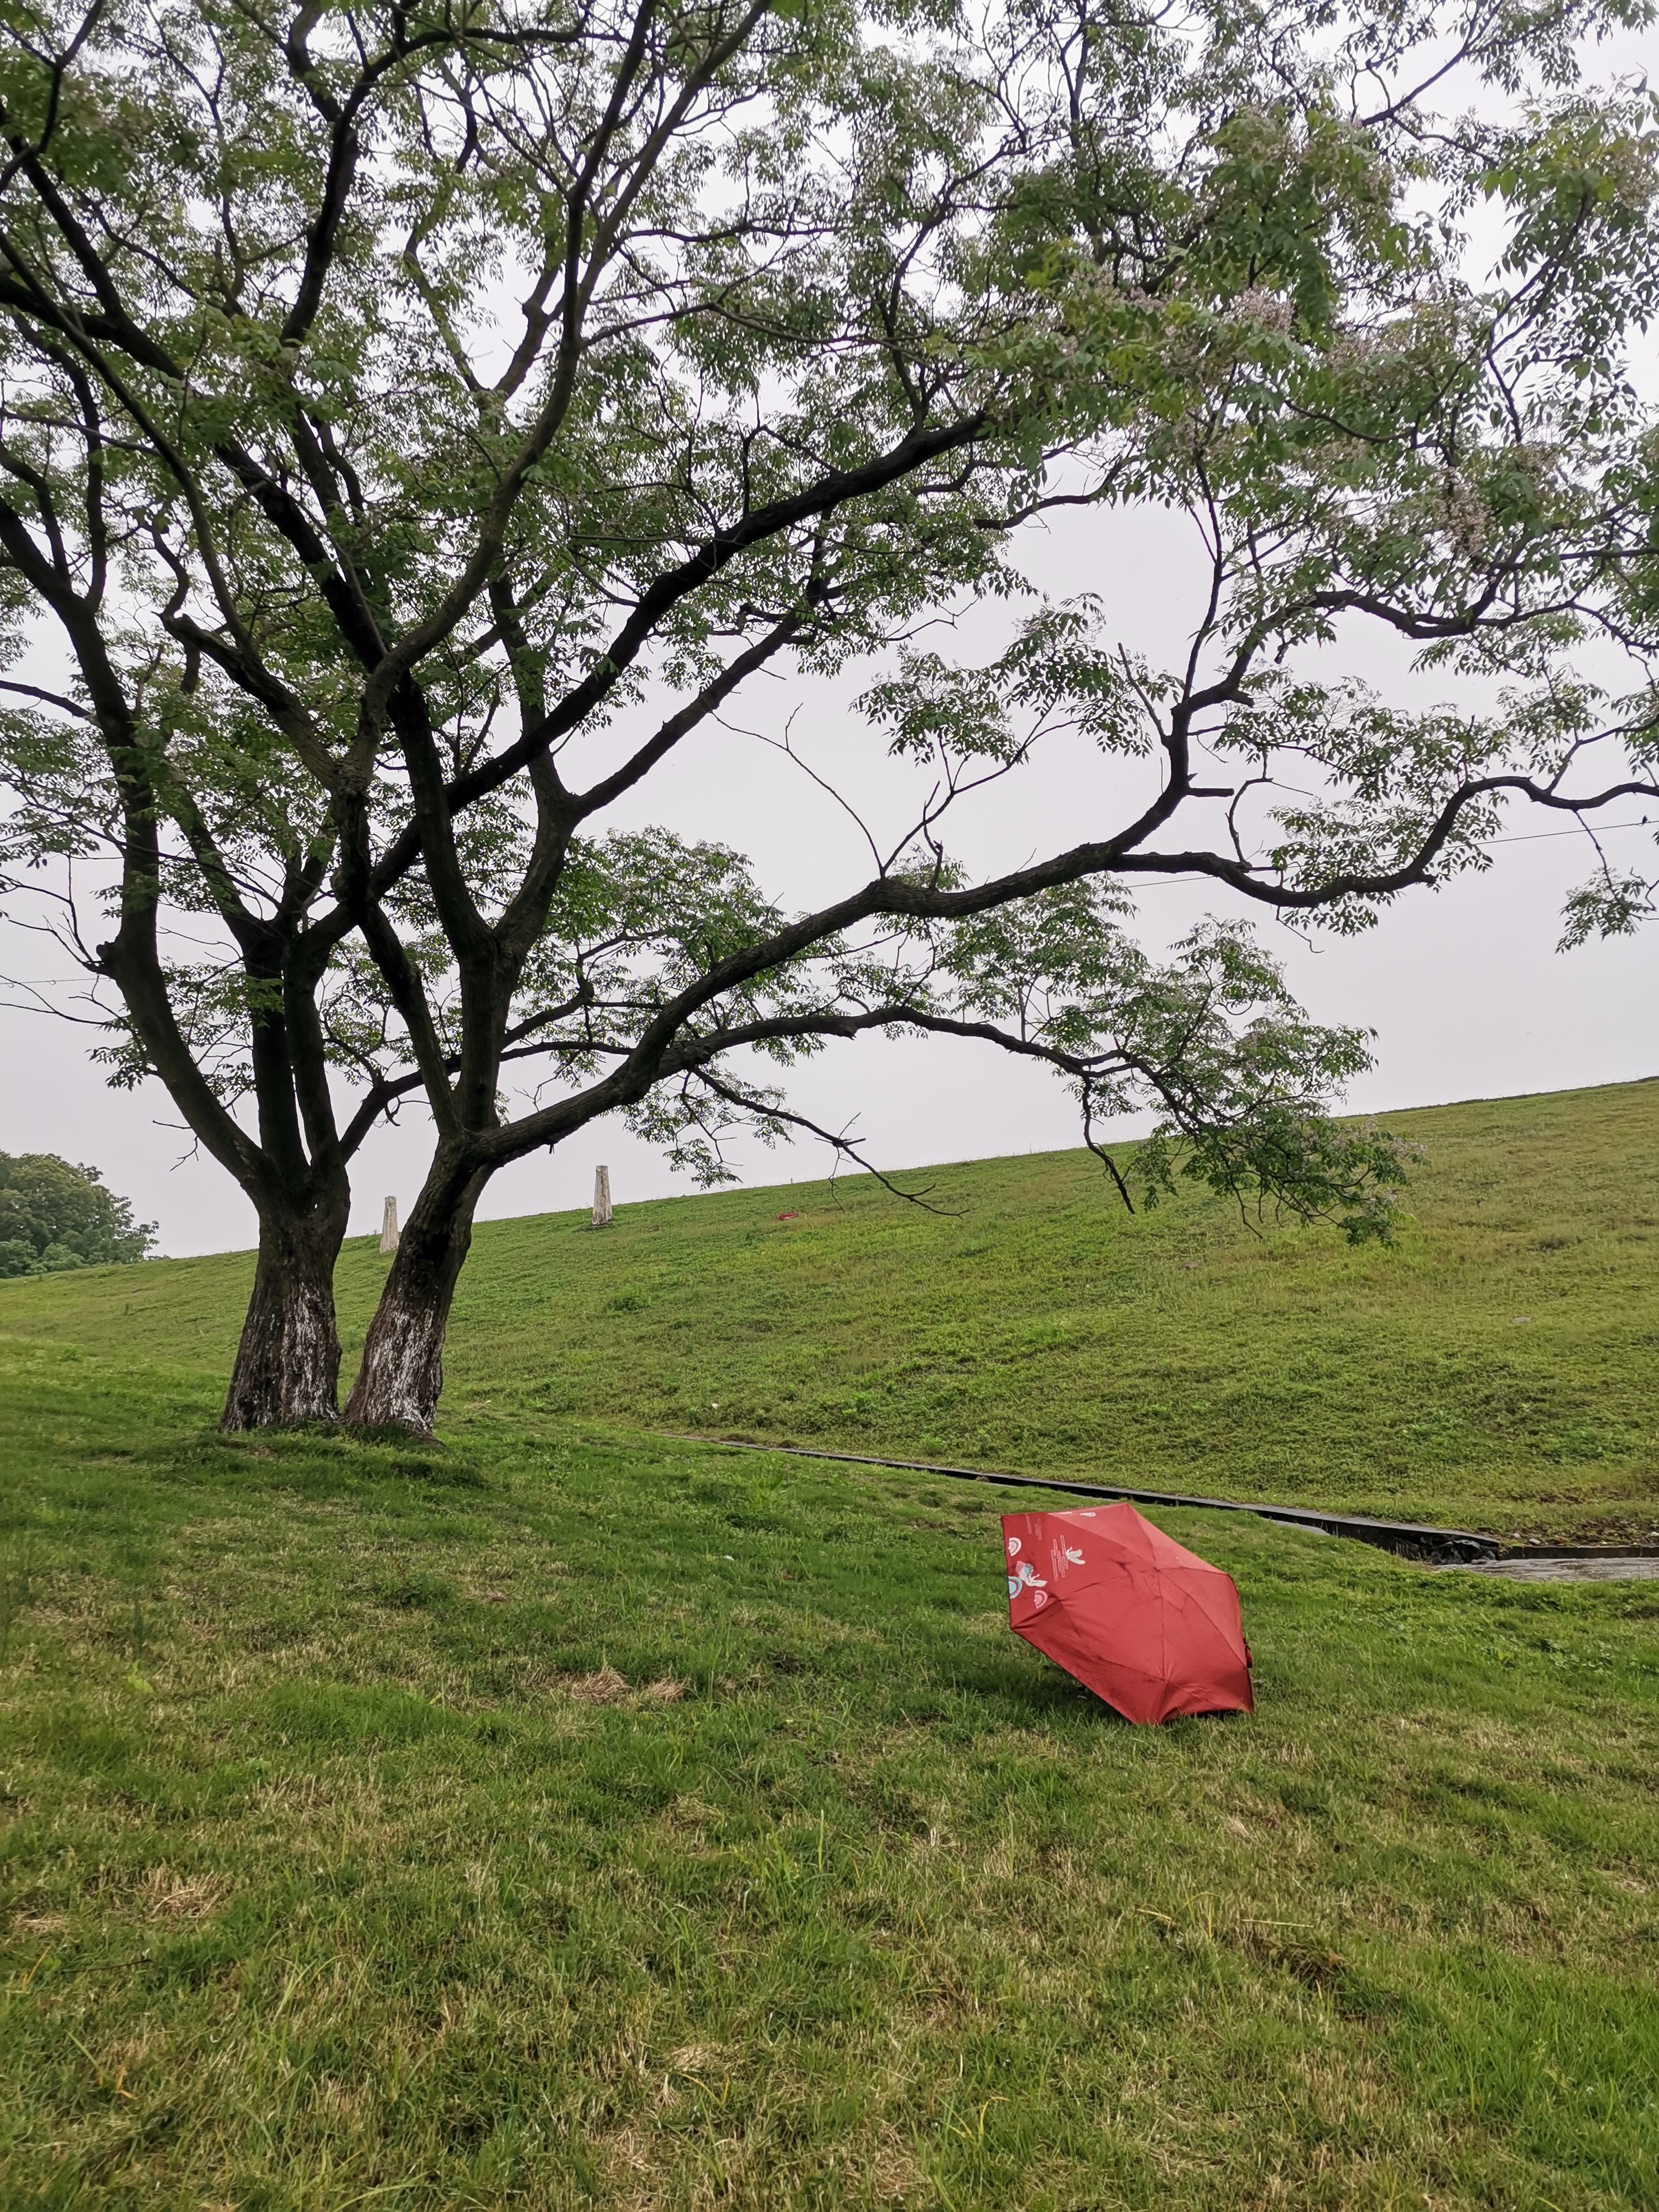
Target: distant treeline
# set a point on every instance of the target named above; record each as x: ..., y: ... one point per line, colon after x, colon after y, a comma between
x: 54, y: 1215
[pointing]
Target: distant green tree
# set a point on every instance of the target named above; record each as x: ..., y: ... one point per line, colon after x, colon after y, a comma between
x: 54, y: 1216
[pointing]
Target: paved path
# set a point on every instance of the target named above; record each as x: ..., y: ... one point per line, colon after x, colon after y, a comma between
x: 1612, y: 1567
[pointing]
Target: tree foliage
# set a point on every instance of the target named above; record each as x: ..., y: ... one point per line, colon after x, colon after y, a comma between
x: 419, y: 424
x: 53, y: 1216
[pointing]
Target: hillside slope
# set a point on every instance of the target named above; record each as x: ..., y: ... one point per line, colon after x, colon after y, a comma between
x: 562, y: 1817
x: 1494, y: 1369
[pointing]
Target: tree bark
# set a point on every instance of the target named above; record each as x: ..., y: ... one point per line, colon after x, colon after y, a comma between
x: 288, y: 1364
x: 402, y: 1376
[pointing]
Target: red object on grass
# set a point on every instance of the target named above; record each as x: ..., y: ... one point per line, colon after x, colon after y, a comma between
x: 1142, y: 1622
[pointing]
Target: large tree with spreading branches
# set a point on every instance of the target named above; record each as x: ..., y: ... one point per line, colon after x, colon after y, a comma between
x: 419, y: 424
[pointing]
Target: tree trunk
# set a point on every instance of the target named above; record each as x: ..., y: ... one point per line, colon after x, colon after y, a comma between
x: 402, y: 1376
x: 288, y: 1364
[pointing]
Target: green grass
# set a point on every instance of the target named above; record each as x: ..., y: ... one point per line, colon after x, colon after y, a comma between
x: 1493, y: 1369
x: 558, y: 1817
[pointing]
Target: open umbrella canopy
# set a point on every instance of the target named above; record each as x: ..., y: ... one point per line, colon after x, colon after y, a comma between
x: 1142, y: 1622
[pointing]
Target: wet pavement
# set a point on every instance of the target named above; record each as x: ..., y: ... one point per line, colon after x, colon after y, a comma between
x: 1593, y: 1567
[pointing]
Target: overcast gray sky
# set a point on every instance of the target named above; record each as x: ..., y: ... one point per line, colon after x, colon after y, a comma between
x: 1463, y: 987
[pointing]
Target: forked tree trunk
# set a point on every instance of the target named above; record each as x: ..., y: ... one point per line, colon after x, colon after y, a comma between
x: 402, y: 1376
x: 288, y: 1364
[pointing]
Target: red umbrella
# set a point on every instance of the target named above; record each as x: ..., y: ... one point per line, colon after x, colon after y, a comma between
x: 1147, y: 1626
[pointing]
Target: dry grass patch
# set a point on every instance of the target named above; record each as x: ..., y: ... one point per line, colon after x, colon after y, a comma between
x: 607, y: 1686
x: 162, y: 1894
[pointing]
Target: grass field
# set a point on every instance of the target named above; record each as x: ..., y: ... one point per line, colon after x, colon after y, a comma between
x: 1495, y: 1368
x: 560, y: 1815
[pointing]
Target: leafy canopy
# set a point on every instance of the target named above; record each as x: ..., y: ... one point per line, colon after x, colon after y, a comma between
x: 53, y: 1216
x: 419, y: 424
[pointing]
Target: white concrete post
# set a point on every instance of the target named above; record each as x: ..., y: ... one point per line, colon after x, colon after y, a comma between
x: 389, y: 1226
x: 601, y: 1198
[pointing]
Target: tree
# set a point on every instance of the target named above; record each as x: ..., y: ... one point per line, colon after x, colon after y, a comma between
x: 53, y: 1216
x: 421, y: 423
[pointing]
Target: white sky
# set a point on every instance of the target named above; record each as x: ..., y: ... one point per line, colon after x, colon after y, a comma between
x: 1463, y: 987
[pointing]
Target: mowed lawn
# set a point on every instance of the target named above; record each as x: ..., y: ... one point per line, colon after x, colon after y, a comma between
x: 564, y: 1815
x: 1496, y: 1368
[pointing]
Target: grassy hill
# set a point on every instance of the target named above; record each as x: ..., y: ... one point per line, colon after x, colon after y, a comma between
x: 1495, y: 1369
x: 562, y: 1816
